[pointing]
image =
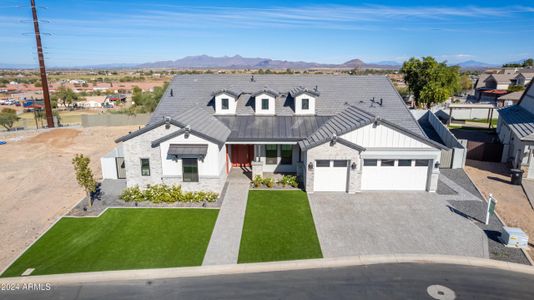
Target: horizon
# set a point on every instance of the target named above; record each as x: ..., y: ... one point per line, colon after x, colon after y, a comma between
x: 95, y: 32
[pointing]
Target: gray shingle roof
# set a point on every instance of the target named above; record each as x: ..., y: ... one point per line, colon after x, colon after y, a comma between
x: 275, y: 128
x: 518, y: 119
x: 336, y: 92
x: 512, y: 96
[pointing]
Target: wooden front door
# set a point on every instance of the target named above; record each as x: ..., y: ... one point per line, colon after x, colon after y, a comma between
x: 242, y: 155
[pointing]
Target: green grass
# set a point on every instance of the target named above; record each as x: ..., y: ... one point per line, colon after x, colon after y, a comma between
x: 278, y: 226
x: 485, y: 121
x: 121, y: 239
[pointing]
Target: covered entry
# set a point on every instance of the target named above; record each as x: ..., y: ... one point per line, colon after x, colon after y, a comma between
x: 242, y: 155
x: 331, y: 175
x: 395, y: 174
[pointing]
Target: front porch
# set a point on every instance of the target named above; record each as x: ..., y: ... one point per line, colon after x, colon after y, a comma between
x: 266, y: 160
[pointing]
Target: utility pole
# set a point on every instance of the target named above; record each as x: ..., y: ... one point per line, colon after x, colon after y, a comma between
x: 44, y: 79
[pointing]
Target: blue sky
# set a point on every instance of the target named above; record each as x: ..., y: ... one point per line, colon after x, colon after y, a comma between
x: 87, y: 32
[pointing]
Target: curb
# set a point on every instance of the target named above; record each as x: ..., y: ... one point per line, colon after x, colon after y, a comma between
x: 187, y: 272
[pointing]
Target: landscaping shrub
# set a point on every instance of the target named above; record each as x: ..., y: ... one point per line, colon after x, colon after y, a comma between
x: 257, y: 181
x: 289, y: 180
x: 269, y: 182
x: 162, y: 193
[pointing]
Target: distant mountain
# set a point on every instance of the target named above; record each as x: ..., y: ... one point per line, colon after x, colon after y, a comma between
x: 239, y: 62
x: 473, y: 64
x: 227, y: 62
x: 387, y: 63
x: 17, y: 66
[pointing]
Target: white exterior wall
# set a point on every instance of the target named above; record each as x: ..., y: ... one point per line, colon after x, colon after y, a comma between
x: 381, y: 136
x: 109, y: 167
x: 502, y: 86
x: 298, y: 105
x: 232, y: 104
x: 209, y: 167
x: 259, y: 111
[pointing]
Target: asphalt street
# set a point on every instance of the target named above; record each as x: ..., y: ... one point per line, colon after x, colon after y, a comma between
x: 386, y: 281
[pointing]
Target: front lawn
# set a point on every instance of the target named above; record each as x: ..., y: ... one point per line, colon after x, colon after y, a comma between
x: 121, y: 239
x: 278, y: 226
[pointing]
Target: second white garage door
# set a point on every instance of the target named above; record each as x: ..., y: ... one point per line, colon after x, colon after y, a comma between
x: 395, y: 174
x: 330, y: 176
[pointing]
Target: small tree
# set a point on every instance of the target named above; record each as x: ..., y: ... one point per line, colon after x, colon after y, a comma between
x: 84, y: 175
x: 8, y: 117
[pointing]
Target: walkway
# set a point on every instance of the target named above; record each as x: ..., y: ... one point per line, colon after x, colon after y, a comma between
x: 223, y: 247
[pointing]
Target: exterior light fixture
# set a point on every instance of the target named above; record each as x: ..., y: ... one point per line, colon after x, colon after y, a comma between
x: 310, y: 166
x: 437, y: 164
x: 353, y: 165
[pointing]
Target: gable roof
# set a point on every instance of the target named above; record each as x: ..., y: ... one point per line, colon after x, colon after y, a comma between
x: 302, y: 90
x: 228, y: 92
x: 266, y: 90
x: 337, y: 91
x: 202, y: 124
x: 515, y: 96
x: 481, y: 81
x: 351, y: 119
x: 502, y: 78
x: 518, y: 119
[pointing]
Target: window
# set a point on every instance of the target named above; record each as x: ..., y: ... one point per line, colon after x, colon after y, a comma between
x: 305, y: 104
x: 190, y: 169
x: 145, y: 167
x: 322, y: 163
x: 405, y: 162
x: 265, y: 104
x: 388, y: 163
x: 225, y: 104
x: 370, y: 162
x: 271, y: 155
x: 340, y: 163
x: 286, y: 153
x: 421, y: 162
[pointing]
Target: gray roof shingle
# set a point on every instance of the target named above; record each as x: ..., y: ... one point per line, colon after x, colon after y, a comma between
x: 518, y: 119
x: 336, y: 92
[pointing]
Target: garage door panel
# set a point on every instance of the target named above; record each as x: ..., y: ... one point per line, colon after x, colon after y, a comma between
x: 398, y: 177
x: 331, y: 177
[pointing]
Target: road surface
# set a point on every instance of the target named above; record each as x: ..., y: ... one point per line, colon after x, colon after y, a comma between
x: 386, y: 281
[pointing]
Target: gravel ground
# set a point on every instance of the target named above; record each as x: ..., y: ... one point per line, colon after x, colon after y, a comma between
x: 476, y: 211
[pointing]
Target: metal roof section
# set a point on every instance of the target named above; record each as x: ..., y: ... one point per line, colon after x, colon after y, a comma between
x: 302, y: 90
x: 266, y: 90
x: 348, y: 120
x: 227, y: 92
x: 271, y: 128
x: 188, y: 150
x: 519, y: 120
x: 336, y: 92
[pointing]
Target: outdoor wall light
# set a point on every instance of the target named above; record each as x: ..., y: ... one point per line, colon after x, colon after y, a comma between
x: 310, y: 166
x: 437, y: 164
x: 353, y: 166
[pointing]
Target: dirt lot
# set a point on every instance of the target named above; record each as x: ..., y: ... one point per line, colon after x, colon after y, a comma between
x: 37, y: 179
x: 512, y: 203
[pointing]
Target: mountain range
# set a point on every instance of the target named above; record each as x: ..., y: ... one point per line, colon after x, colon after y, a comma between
x: 240, y: 62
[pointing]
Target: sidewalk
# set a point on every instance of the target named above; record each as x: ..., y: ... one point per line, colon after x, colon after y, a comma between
x: 223, y: 247
x: 528, y: 187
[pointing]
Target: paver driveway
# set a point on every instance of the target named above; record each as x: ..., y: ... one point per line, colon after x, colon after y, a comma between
x: 393, y: 223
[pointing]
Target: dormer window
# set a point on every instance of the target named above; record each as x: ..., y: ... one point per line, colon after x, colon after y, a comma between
x: 304, y: 100
x: 305, y: 103
x: 225, y: 104
x: 265, y: 104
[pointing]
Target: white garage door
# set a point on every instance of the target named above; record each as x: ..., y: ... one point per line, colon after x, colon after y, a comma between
x: 395, y: 174
x: 330, y: 176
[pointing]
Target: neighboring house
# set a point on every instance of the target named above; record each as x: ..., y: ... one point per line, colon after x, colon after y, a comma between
x: 509, y: 99
x: 516, y: 131
x: 499, y: 81
x: 523, y: 78
x: 337, y: 133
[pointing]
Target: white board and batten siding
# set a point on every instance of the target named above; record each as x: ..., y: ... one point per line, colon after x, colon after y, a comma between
x: 381, y: 136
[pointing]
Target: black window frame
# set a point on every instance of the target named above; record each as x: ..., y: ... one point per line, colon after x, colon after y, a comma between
x: 319, y: 163
x: 401, y: 163
x: 388, y: 162
x: 287, y: 157
x: 145, y: 166
x: 264, y: 104
x: 223, y: 106
x: 190, y: 176
x: 418, y: 162
x: 307, y: 106
x: 270, y: 159
x: 370, y: 162
x: 340, y: 163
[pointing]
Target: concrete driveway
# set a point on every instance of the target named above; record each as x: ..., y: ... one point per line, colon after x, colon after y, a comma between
x: 393, y: 223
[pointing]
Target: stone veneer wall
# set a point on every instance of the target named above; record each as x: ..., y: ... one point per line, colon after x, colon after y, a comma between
x: 333, y: 152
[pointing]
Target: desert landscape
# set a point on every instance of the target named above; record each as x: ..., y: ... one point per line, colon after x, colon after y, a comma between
x: 38, y: 183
